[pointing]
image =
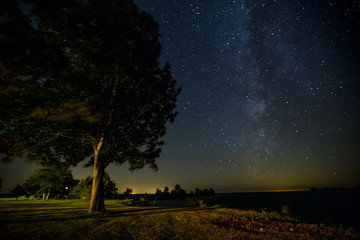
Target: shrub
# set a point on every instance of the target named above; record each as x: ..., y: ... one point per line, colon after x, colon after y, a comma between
x: 123, y: 202
x: 195, y: 203
x: 143, y: 202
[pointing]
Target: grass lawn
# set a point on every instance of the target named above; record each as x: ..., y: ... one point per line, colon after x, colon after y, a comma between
x: 68, y: 219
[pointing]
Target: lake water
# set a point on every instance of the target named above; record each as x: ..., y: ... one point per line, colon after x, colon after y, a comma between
x: 329, y: 207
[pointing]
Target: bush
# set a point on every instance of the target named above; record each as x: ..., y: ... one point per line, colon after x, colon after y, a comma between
x: 143, y: 202
x: 123, y: 202
x: 195, y: 203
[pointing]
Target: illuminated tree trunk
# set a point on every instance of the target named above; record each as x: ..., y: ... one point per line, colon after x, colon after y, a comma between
x: 48, y: 194
x: 97, y: 191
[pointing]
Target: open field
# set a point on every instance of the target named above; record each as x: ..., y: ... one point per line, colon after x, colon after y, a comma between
x: 68, y: 219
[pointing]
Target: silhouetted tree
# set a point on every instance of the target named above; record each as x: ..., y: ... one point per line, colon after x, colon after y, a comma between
x: 177, y: 187
x: 205, y: 192
x: 198, y: 192
x: 128, y: 192
x: 173, y: 193
x: 179, y: 192
x: 18, y: 190
x: 166, y: 191
x: 82, y: 78
x: 158, y: 192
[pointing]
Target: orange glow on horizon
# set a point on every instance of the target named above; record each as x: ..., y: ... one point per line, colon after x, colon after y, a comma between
x: 288, y: 190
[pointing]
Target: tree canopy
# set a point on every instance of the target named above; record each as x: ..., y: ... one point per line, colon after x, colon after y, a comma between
x: 50, y: 179
x: 82, y: 78
x: 83, y: 187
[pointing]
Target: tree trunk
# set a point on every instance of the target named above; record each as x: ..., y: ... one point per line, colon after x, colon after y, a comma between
x: 48, y: 194
x: 97, y: 191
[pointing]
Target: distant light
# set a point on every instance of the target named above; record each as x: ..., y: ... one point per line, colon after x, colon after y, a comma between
x: 66, y: 187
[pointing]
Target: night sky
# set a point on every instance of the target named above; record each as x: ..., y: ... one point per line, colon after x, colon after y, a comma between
x: 270, y: 97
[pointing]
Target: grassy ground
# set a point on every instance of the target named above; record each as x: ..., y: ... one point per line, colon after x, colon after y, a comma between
x: 68, y: 219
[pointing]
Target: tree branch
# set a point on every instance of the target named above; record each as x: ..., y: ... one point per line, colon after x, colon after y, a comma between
x: 82, y: 139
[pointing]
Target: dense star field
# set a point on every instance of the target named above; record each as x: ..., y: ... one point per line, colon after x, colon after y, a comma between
x: 270, y: 91
x: 270, y: 96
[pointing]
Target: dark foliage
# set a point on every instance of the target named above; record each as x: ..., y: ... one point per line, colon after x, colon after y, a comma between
x: 178, y: 192
x: 82, y: 78
x: 18, y: 191
x: 83, y: 188
x: 52, y: 179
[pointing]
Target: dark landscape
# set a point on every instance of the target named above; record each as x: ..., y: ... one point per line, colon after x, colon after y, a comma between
x: 68, y: 219
x: 328, y: 207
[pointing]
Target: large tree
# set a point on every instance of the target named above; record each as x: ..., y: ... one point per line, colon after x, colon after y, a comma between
x: 82, y: 78
x: 83, y: 187
x: 50, y: 179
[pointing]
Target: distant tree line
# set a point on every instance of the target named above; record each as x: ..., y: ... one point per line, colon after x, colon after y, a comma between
x: 178, y: 192
x: 166, y: 194
x: 56, y: 181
